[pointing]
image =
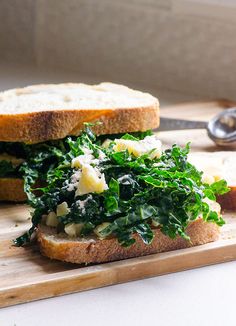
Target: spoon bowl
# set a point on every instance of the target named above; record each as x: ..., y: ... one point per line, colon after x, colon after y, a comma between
x: 222, y: 128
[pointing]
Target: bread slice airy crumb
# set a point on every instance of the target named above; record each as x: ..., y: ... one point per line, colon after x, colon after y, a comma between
x: 44, y: 112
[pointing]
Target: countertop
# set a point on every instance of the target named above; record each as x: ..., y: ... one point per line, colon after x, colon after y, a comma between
x: 203, y: 296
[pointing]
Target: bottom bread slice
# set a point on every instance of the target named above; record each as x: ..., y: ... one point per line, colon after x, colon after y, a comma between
x: 93, y: 250
x: 12, y: 189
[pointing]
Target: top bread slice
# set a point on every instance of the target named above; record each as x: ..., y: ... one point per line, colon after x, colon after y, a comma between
x: 45, y: 112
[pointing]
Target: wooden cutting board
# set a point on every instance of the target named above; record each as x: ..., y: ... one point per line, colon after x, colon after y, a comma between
x: 25, y: 275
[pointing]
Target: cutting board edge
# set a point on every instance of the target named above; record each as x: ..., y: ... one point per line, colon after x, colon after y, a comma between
x: 114, y: 273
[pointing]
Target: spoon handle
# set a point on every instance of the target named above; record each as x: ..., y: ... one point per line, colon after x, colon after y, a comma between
x: 179, y: 124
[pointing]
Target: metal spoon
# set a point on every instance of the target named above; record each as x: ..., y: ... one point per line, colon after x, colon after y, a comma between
x: 221, y: 129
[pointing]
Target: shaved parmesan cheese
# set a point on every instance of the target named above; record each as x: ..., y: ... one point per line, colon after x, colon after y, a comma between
x: 62, y: 209
x: 91, y: 181
x: 149, y: 145
x: 51, y: 219
x: 99, y: 228
x: 81, y: 160
x: 106, y: 143
x: 73, y: 229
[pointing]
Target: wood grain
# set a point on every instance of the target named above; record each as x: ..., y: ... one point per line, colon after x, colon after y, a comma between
x: 25, y: 275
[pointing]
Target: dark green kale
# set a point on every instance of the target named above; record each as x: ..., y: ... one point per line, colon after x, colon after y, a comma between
x: 166, y: 192
x: 7, y: 169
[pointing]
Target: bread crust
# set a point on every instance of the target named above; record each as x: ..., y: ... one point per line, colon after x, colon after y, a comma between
x: 228, y: 200
x: 39, y: 126
x: 98, y: 251
x: 12, y: 189
x: 49, y: 125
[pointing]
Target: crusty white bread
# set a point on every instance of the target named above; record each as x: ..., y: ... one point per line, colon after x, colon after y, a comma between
x: 12, y: 189
x: 93, y: 250
x: 44, y: 112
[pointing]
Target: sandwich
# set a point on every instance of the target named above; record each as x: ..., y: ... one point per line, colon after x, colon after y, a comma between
x: 101, y: 186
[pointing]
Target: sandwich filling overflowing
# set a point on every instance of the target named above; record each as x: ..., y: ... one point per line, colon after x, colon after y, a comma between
x: 15, y: 156
x: 116, y: 187
x: 11, y: 158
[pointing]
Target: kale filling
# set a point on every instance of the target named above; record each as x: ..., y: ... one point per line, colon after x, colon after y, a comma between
x: 165, y: 191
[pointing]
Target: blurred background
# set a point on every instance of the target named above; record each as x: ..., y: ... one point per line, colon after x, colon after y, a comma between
x: 176, y: 49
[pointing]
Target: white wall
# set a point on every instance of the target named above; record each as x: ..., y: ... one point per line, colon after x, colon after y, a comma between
x: 184, y: 45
